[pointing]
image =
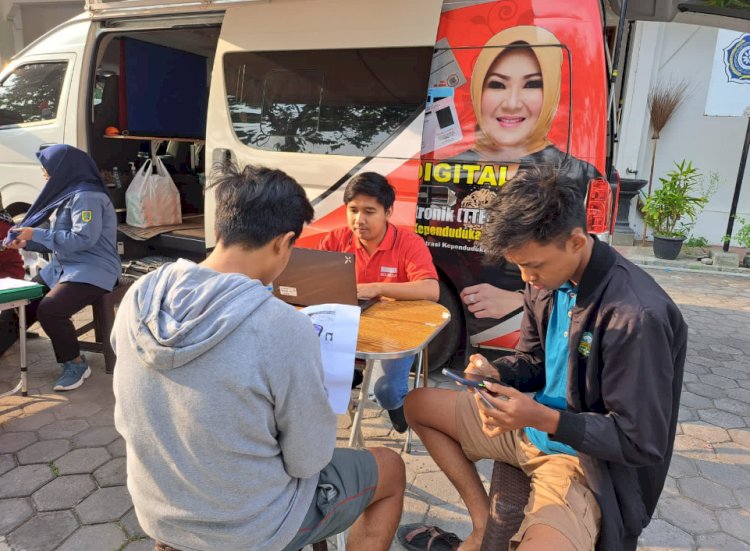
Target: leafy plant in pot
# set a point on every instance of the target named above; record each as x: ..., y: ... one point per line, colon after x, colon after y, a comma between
x: 672, y: 209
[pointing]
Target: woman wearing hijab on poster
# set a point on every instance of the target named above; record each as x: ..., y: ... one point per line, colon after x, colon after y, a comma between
x: 515, y: 93
x: 82, y: 243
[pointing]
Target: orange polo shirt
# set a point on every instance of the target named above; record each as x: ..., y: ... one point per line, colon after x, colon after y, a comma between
x: 402, y: 256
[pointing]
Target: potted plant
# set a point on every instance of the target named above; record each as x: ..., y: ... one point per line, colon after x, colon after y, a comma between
x: 672, y: 209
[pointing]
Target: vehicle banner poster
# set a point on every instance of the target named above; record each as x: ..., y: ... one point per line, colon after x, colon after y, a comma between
x: 729, y: 87
x: 513, y: 84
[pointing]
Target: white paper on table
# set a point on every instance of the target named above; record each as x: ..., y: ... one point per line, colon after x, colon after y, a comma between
x: 8, y: 283
x: 337, y: 326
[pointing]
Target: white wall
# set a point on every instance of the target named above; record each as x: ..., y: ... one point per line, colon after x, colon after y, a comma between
x: 666, y: 51
x: 22, y: 21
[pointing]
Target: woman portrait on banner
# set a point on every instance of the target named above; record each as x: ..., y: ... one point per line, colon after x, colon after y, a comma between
x: 515, y: 93
x: 82, y: 242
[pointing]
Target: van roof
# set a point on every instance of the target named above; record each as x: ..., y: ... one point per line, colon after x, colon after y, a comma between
x: 128, y: 7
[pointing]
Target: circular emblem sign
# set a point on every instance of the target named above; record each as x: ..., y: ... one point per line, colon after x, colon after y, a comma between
x: 737, y: 59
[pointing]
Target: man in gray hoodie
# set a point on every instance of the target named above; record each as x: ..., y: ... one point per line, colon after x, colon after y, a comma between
x: 220, y: 397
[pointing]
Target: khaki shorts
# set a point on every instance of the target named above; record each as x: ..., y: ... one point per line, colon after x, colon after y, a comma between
x: 559, y: 496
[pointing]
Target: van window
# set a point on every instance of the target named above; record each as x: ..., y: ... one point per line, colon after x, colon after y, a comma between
x: 343, y: 102
x: 31, y: 93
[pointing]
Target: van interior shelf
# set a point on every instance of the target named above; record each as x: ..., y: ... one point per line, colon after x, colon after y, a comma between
x: 156, y: 138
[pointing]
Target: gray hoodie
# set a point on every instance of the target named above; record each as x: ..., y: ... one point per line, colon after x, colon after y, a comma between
x: 220, y: 399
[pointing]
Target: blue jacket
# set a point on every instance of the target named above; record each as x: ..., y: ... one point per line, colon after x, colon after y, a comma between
x: 83, y: 242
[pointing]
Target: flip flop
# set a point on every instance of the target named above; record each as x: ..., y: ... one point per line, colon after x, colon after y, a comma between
x: 425, y: 537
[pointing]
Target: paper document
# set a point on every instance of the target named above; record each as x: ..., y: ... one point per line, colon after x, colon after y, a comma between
x: 8, y: 283
x: 337, y: 326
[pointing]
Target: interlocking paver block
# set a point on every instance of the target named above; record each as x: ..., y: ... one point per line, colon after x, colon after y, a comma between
x: 95, y: 436
x: 43, y: 532
x: 721, y: 418
x: 720, y: 542
x: 11, y: 442
x: 30, y: 422
x: 741, y: 436
x: 117, y: 448
x: 24, y: 480
x: 131, y: 524
x: 145, y: 544
x: 62, y: 429
x: 99, y: 536
x: 659, y: 535
x: 84, y: 460
x: 111, y: 473
x: 681, y: 466
x: 741, y: 394
x: 64, y: 492
x: 13, y: 512
x: 730, y: 476
x: 6, y: 463
x: 705, y: 431
x: 707, y: 493
x: 687, y: 515
x: 707, y: 391
x: 77, y: 411
x: 736, y: 522
x: 105, y: 505
x: 695, y: 401
x: 733, y: 406
x: 43, y: 452
x: 718, y: 381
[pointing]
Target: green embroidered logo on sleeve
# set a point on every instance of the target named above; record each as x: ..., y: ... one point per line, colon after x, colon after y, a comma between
x: 86, y: 215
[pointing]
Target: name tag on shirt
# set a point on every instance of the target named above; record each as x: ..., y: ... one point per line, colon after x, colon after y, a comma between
x: 387, y: 271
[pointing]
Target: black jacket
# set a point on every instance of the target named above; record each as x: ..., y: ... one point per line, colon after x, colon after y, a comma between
x: 627, y: 353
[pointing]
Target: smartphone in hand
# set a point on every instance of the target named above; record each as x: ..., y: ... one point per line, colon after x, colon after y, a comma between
x: 476, y: 381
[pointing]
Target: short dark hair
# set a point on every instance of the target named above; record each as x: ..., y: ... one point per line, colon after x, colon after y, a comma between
x: 257, y: 205
x: 372, y: 184
x: 536, y: 205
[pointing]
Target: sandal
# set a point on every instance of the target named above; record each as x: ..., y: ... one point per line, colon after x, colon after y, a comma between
x: 425, y: 537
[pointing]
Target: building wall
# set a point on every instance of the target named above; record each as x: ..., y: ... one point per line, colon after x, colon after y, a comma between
x: 23, y: 21
x: 664, y: 51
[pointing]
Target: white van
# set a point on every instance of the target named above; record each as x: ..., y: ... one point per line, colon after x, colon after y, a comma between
x: 323, y: 89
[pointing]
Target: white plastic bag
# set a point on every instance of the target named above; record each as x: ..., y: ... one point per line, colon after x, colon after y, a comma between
x: 152, y: 198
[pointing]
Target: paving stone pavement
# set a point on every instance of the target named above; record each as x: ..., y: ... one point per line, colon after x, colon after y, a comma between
x: 62, y: 468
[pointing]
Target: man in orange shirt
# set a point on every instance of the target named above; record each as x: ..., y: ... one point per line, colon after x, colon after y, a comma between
x: 390, y: 262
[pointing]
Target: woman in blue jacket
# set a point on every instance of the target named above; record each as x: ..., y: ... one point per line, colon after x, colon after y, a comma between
x: 82, y: 242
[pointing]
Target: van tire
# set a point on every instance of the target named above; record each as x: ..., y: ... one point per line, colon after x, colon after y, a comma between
x: 442, y: 349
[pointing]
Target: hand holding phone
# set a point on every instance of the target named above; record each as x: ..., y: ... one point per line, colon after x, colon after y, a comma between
x: 475, y: 381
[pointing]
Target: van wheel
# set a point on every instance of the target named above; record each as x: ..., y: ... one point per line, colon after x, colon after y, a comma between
x: 442, y: 349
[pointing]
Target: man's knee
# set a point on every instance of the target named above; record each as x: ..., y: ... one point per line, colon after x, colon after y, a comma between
x: 391, y: 470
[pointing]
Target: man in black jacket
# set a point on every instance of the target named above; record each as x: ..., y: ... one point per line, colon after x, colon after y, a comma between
x: 603, y: 347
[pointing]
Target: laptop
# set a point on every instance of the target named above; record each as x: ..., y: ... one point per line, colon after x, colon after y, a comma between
x: 319, y: 277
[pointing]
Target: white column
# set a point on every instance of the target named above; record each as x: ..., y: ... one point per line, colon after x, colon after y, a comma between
x: 635, y: 135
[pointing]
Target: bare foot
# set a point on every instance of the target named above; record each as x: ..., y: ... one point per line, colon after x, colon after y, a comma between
x: 473, y: 542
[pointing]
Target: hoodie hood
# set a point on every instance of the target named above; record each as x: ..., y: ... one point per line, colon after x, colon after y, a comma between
x: 70, y: 171
x: 183, y: 310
